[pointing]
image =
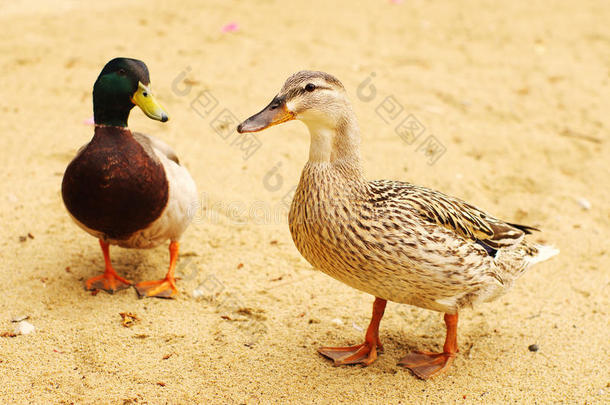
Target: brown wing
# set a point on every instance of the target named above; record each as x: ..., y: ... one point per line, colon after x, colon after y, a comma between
x: 453, y: 213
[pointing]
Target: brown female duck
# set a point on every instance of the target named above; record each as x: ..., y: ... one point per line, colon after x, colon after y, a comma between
x: 391, y: 239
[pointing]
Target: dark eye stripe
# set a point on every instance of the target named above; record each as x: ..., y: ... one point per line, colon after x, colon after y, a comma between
x: 301, y: 90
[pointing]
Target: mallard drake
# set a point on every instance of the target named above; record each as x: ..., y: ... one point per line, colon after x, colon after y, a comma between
x: 391, y: 239
x: 127, y: 188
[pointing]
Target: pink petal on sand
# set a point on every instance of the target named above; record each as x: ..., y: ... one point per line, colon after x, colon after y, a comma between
x: 89, y: 121
x: 230, y: 27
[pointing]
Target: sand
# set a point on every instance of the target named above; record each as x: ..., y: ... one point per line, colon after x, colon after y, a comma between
x: 516, y: 96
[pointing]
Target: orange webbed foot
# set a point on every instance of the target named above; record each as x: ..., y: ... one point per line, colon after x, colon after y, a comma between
x: 165, y: 288
x: 364, y: 353
x: 109, y: 282
x: 425, y: 364
x: 160, y: 288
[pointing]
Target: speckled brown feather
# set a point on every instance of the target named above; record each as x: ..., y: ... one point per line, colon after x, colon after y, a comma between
x: 115, y: 185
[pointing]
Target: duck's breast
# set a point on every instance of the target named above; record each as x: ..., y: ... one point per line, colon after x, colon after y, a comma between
x: 114, y: 187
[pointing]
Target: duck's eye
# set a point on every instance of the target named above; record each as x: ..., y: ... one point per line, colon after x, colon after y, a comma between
x: 310, y: 87
x: 121, y: 72
x: 145, y: 94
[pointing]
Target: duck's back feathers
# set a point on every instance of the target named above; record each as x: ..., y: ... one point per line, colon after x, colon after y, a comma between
x: 115, y: 185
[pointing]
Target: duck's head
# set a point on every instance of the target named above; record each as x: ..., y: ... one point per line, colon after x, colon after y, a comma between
x: 121, y: 85
x: 318, y: 100
x: 315, y: 98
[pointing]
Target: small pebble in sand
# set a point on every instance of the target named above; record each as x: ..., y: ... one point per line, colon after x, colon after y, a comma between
x: 337, y: 322
x: 23, y: 238
x: 533, y: 348
x: 197, y: 293
x: 24, y: 328
x: 584, y: 203
x: 357, y: 327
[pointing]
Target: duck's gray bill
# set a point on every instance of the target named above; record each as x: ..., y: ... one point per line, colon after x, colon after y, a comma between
x: 275, y: 113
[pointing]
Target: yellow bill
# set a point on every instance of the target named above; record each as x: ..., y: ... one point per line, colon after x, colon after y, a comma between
x: 144, y: 99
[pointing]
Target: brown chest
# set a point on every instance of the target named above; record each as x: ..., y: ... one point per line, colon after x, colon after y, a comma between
x: 114, y: 185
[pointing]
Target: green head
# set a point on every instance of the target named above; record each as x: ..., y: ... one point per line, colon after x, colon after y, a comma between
x: 122, y: 84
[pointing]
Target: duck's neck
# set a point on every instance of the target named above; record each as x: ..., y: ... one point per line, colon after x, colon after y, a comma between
x: 113, y: 118
x: 337, y: 146
x: 109, y: 110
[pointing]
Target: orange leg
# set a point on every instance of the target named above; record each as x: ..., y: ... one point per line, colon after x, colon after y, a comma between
x: 165, y: 288
x: 109, y: 281
x: 426, y: 364
x: 364, y: 353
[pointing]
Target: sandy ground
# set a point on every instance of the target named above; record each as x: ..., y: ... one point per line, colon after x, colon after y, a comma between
x: 516, y: 95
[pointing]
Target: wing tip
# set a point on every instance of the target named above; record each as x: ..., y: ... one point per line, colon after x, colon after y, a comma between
x: 524, y: 228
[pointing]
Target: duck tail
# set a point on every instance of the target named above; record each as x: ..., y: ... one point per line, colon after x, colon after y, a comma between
x: 542, y: 253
